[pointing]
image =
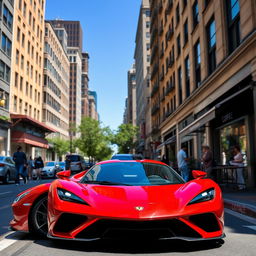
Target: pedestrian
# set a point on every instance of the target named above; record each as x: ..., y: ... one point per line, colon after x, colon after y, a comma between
x: 207, y: 160
x: 39, y: 164
x: 165, y: 160
x: 67, y: 163
x: 239, y: 162
x: 20, y: 160
x: 182, y: 163
x: 30, y: 167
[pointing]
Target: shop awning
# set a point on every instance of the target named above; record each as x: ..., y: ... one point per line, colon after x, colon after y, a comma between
x: 27, y: 119
x: 202, y: 120
x: 22, y: 137
x: 170, y: 140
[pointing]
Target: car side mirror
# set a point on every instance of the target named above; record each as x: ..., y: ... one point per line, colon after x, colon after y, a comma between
x: 198, y: 174
x: 63, y: 174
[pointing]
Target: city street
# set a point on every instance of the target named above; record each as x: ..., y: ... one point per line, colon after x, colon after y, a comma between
x: 240, y: 238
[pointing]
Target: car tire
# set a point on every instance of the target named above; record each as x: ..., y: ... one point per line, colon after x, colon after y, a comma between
x: 7, y: 178
x: 38, y: 224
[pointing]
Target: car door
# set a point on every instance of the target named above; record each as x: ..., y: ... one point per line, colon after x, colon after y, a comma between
x: 11, y: 167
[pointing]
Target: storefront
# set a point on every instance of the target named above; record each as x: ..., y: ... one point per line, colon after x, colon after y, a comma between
x: 30, y: 134
x: 4, y: 138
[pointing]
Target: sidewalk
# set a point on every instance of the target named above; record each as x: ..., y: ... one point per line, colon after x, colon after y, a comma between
x: 243, y: 202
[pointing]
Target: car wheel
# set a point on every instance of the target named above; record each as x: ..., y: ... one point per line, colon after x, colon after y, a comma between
x: 7, y: 178
x: 38, y: 217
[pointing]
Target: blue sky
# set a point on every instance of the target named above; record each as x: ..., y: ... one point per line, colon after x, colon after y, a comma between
x: 109, y: 28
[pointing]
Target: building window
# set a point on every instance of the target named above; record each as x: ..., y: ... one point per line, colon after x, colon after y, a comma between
x: 23, y: 40
x: 7, y: 17
x: 148, y: 24
x: 24, y: 10
x: 21, y: 83
x: 197, y: 56
x: 185, y: 30
x: 187, y: 76
x: 22, y: 62
x: 233, y: 17
x: 177, y: 14
x: 180, y: 85
x: 178, y: 46
x: 6, y: 45
x: 4, y: 71
x: 211, y: 41
x: 15, y: 104
x: 18, y: 34
x: 185, y: 2
x: 195, y: 11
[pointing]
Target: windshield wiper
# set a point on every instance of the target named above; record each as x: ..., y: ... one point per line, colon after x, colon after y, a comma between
x: 104, y: 182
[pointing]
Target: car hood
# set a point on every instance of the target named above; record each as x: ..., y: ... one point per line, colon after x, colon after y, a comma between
x: 136, y: 201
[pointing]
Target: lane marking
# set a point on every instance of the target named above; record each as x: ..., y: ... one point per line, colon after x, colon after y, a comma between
x: 4, y: 193
x: 6, y: 242
x: 251, y: 227
x: 241, y: 216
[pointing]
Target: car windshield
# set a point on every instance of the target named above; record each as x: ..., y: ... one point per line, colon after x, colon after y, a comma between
x: 122, y: 157
x: 50, y: 164
x: 74, y: 158
x: 132, y: 174
x: 61, y: 163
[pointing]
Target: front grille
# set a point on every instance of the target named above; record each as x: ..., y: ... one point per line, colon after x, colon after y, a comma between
x: 68, y: 222
x: 206, y: 221
x: 155, y: 229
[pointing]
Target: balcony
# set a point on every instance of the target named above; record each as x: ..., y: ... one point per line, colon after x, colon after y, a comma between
x: 161, y: 29
x: 162, y: 98
x: 154, y: 52
x: 154, y: 71
x: 154, y: 109
x: 154, y: 89
x: 169, y: 89
x: 162, y: 76
x: 160, y: 6
x: 169, y: 34
x: 169, y: 7
x: 170, y: 62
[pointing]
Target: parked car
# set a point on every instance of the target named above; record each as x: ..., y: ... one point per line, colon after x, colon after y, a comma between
x: 50, y: 169
x: 7, y: 169
x: 77, y: 163
x: 89, y: 165
x: 127, y: 157
x: 61, y: 166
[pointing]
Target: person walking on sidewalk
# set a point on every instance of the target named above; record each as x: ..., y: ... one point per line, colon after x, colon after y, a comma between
x: 207, y: 159
x: 182, y: 163
x: 39, y: 164
x: 238, y: 161
x: 30, y: 167
x: 20, y: 160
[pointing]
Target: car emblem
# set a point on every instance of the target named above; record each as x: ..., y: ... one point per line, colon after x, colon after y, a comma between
x: 139, y: 208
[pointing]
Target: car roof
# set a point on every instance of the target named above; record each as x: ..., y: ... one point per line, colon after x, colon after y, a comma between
x: 123, y: 155
x: 138, y: 161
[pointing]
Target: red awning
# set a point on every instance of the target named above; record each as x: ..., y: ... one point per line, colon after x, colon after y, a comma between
x: 27, y: 119
x: 22, y: 137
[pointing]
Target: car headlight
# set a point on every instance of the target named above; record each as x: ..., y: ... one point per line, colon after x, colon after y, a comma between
x: 207, y: 195
x: 70, y: 197
x: 18, y: 198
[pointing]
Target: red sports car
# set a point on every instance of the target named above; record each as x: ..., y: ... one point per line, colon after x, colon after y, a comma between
x: 123, y: 199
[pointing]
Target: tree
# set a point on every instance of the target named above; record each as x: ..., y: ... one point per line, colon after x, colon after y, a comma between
x: 124, y: 138
x: 94, y: 140
x: 60, y: 146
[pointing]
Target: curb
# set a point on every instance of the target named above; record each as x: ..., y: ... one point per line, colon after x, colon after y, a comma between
x: 245, y: 209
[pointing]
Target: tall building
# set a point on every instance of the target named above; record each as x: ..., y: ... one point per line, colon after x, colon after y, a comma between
x: 85, y: 84
x: 74, y: 31
x: 6, y: 28
x: 142, y: 63
x: 74, y: 50
x: 93, y: 105
x: 56, y: 83
x: 75, y: 90
x: 27, y: 78
x: 203, y: 75
x: 125, y: 117
x: 131, y: 104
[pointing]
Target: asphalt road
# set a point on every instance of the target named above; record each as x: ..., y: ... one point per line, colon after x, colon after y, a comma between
x: 240, y: 239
